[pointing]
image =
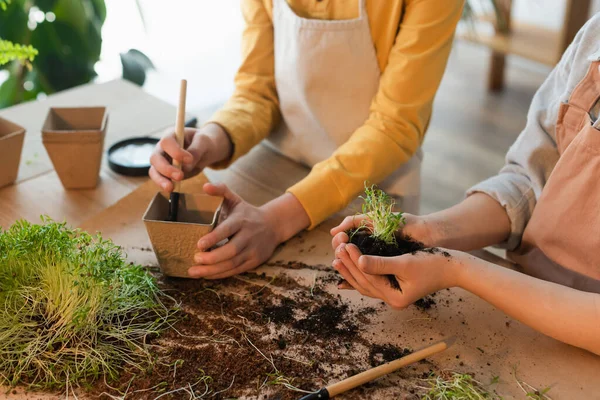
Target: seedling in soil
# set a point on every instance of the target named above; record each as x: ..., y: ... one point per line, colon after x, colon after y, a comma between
x: 378, y: 206
x: 380, y: 234
x: 72, y: 310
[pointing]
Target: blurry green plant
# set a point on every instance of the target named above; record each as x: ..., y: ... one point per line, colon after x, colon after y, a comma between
x: 67, y: 35
x: 10, y: 51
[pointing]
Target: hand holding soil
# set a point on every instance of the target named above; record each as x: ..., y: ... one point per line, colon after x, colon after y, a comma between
x: 202, y: 147
x: 418, y: 274
x: 251, y: 233
x: 416, y: 227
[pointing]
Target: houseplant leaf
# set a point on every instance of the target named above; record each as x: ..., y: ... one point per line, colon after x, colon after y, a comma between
x: 135, y: 64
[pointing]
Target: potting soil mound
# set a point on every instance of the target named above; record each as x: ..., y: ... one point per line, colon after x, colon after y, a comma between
x: 372, y: 246
x: 258, y: 337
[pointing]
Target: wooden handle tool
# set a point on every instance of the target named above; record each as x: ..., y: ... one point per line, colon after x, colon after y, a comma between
x: 377, y: 372
x: 179, y: 134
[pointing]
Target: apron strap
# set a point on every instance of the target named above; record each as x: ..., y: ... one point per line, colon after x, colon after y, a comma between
x: 587, y: 92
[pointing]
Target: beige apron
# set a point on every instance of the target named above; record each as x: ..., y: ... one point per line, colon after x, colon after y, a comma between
x: 326, y: 73
x: 561, y: 242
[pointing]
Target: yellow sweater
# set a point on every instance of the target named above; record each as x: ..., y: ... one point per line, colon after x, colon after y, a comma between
x: 412, y: 39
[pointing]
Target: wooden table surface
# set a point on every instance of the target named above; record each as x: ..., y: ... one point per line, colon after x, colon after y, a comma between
x: 489, y: 343
x: 37, y: 191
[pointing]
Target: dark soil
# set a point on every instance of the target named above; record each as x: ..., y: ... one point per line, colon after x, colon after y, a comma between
x: 246, y: 336
x: 425, y: 303
x: 381, y: 354
x: 371, y: 246
x: 327, y: 321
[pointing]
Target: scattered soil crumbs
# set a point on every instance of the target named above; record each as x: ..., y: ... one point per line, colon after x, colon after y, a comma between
x: 425, y: 303
x: 255, y: 336
x: 381, y: 354
x: 327, y: 321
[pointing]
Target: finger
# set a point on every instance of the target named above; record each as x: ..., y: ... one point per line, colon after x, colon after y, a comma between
x: 223, y: 231
x: 198, y: 149
x: 354, y: 253
x: 339, y: 239
x: 246, y: 266
x: 225, y: 267
x: 164, y: 167
x: 380, y: 265
x: 169, y: 145
x: 339, y: 267
x: 232, y: 248
x: 160, y: 180
x: 350, y: 222
x: 345, y: 286
x: 358, y: 275
x: 220, y: 189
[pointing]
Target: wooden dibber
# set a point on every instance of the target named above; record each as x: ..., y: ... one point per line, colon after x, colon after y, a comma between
x: 179, y: 133
x: 377, y: 372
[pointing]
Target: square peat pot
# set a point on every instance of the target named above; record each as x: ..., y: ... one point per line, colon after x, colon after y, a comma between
x: 11, y: 145
x: 74, y: 140
x: 175, y: 243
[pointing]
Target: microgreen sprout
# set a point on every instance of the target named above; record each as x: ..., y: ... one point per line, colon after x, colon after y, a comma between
x: 452, y: 385
x: 72, y: 309
x: 378, y: 207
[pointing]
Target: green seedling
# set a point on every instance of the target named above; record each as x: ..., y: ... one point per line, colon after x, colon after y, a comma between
x: 71, y: 308
x: 453, y: 385
x: 378, y: 207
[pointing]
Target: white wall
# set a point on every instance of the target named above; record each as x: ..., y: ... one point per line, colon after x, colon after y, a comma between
x: 200, y: 40
x: 548, y: 13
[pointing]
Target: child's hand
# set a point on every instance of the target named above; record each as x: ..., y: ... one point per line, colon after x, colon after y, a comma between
x: 416, y: 227
x: 202, y: 148
x: 418, y: 275
x: 252, y: 234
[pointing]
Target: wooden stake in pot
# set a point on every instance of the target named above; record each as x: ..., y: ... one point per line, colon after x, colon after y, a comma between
x: 377, y: 372
x: 179, y: 133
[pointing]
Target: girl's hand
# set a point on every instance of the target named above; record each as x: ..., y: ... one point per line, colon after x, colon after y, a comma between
x: 252, y: 234
x: 418, y: 275
x: 416, y: 227
x: 202, y: 148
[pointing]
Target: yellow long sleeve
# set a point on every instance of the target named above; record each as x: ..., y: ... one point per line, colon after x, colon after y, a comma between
x: 253, y: 109
x: 412, y: 39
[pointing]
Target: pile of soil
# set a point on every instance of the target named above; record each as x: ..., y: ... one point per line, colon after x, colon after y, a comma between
x: 381, y: 354
x: 372, y: 246
x: 252, y: 335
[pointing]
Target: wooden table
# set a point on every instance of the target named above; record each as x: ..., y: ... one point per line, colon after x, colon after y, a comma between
x: 38, y: 190
x: 488, y: 342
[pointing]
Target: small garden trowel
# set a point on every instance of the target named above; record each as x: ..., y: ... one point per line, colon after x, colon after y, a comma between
x: 377, y: 372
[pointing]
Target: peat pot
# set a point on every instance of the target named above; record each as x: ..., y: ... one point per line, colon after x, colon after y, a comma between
x: 74, y: 140
x: 175, y: 243
x: 11, y: 145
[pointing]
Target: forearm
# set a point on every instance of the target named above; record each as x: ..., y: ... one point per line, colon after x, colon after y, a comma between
x: 476, y: 222
x: 563, y: 313
x: 286, y: 216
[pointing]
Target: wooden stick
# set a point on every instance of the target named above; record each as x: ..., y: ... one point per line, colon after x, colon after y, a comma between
x: 377, y: 372
x: 180, y: 128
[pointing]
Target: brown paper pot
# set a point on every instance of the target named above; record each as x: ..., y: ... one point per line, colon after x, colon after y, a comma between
x: 74, y: 140
x: 175, y: 243
x: 11, y: 145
